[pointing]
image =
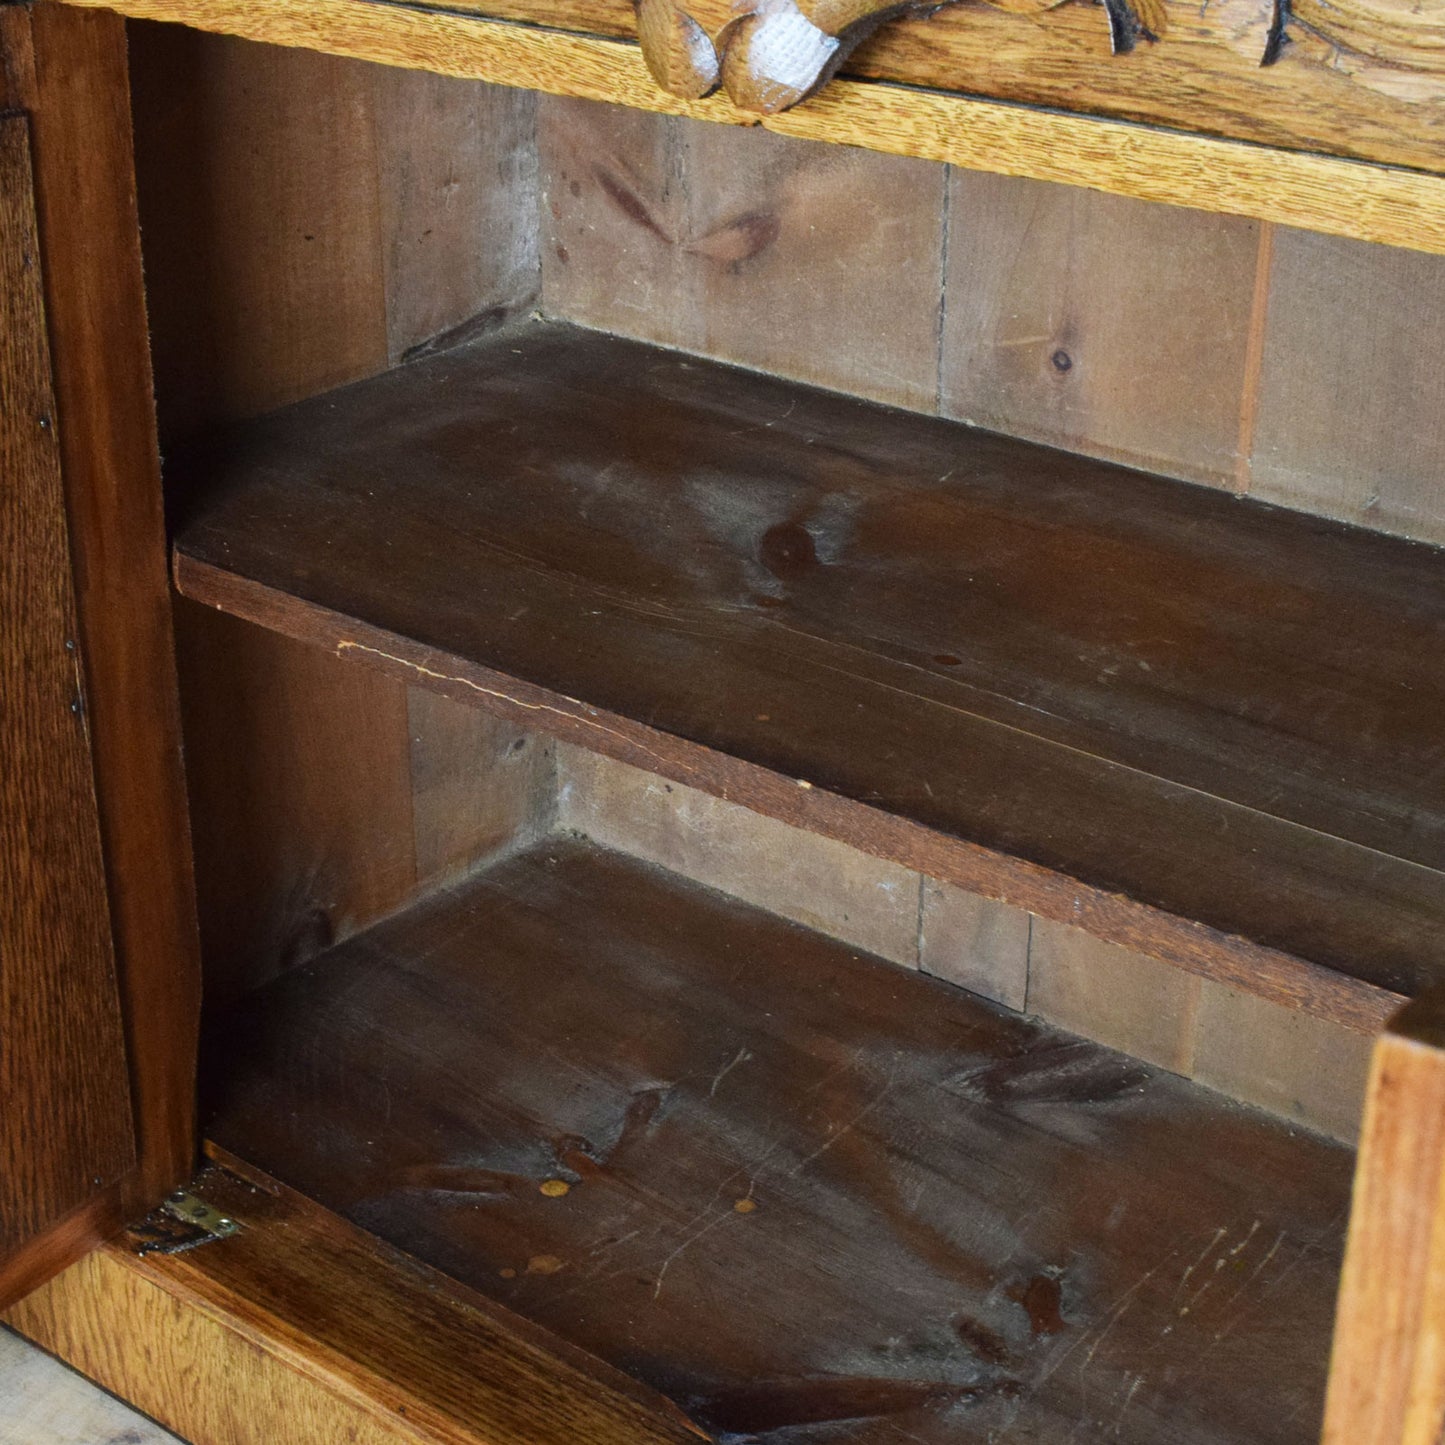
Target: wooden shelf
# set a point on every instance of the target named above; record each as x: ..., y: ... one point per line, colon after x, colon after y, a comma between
x: 1195, y: 724
x: 788, y: 1185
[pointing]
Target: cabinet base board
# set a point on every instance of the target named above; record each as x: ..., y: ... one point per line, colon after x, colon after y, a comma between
x: 300, y: 1329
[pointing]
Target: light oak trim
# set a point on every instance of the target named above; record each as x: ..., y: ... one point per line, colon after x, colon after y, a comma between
x: 301, y: 1329
x: 65, y: 1241
x: 1387, y: 1386
x: 1320, y: 193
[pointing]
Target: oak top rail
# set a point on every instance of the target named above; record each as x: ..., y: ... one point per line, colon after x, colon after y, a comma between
x: 1348, y: 197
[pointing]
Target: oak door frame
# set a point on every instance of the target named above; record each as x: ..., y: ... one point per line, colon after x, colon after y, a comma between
x: 66, y: 71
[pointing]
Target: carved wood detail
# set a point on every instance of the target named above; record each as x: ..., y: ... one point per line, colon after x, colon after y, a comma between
x: 768, y: 55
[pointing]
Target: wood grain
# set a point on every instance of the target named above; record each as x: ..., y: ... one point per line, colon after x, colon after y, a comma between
x: 1132, y: 331
x: 66, y: 1129
x: 793, y: 276
x: 479, y: 786
x: 789, y: 1185
x: 1301, y: 1067
x: 1319, y: 192
x: 1185, y: 943
x: 1351, y: 413
x: 328, y: 795
x: 747, y: 247
x: 773, y: 572
x: 457, y: 165
x: 308, y: 220
x: 819, y: 882
x: 1304, y: 1069
x: 77, y: 96
x: 1384, y: 1378
x: 1123, y: 999
x: 976, y: 943
x: 301, y: 1330
x: 300, y: 778
x: 1098, y: 324
x: 64, y: 1241
x: 1204, y: 76
x: 614, y: 219
x: 259, y: 191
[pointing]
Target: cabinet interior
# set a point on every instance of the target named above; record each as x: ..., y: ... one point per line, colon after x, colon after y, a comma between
x: 639, y: 878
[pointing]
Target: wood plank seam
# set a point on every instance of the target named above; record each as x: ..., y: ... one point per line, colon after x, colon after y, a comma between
x: 1254, y: 358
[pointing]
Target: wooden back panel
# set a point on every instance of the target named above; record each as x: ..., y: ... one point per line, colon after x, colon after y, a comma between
x: 308, y: 221
x: 311, y: 220
x: 1294, y: 367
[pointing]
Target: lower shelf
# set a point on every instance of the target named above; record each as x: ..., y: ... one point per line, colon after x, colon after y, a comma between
x: 809, y: 1196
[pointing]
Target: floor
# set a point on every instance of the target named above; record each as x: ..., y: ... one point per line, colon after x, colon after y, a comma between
x: 44, y: 1403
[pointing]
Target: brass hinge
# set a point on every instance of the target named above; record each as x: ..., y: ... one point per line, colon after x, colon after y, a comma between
x: 184, y: 1221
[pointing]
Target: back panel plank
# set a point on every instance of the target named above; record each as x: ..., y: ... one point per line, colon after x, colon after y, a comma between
x: 65, y: 1126
x: 1351, y: 419
x: 1098, y: 324
x: 747, y: 247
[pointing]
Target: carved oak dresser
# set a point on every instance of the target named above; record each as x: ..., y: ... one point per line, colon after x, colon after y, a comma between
x: 725, y: 719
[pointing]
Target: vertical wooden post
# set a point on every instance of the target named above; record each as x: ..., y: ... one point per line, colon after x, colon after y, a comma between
x: 65, y: 71
x: 1387, y: 1376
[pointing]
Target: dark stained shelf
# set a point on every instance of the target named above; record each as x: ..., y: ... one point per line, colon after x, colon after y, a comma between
x: 1226, y: 712
x: 808, y: 1195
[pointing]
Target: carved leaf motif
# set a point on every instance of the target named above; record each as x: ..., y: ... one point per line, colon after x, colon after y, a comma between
x: 679, y: 53
x: 1395, y: 47
x: 770, y: 54
x: 776, y: 56
x: 837, y: 17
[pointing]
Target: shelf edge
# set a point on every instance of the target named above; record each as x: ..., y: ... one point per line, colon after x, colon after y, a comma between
x: 1193, y: 947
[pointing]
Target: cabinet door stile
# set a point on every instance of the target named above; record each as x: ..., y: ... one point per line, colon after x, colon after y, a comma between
x: 98, y: 1080
x: 65, y: 1128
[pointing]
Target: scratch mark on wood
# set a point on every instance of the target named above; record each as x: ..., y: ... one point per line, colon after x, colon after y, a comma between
x: 742, y: 1056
